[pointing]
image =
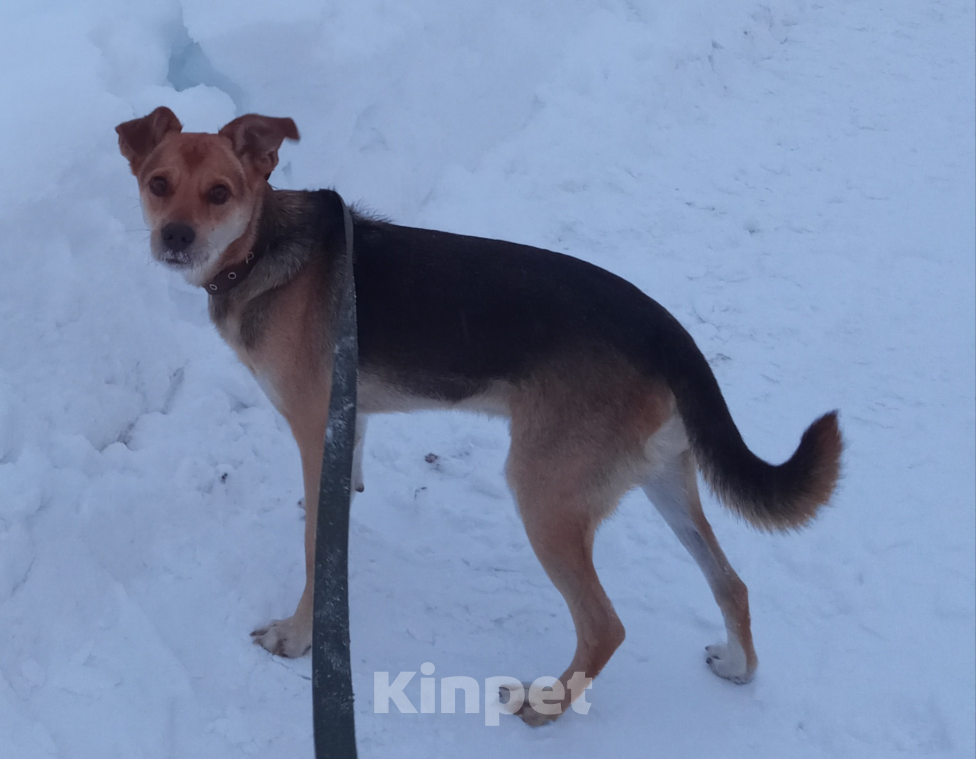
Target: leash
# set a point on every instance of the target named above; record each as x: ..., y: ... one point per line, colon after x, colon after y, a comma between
x: 333, y: 716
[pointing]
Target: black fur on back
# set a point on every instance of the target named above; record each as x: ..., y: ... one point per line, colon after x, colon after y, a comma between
x: 471, y: 310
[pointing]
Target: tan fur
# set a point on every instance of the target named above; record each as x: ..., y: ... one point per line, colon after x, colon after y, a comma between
x: 578, y: 444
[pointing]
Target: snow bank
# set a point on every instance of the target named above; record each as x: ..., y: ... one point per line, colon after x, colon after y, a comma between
x: 795, y: 181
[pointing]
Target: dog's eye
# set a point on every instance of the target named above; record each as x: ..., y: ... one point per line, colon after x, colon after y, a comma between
x: 158, y: 186
x: 219, y: 194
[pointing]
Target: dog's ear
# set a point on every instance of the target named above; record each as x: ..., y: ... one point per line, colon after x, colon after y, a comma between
x: 256, y: 139
x: 139, y: 137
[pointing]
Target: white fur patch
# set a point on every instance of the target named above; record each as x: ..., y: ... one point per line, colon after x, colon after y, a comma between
x: 207, y: 248
x: 376, y: 396
x: 728, y: 660
x: 664, y: 446
x: 208, y: 251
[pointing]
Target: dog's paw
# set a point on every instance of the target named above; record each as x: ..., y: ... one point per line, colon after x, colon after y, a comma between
x: 729, y: 662
x: 525, y: 712
x: 285, y: 637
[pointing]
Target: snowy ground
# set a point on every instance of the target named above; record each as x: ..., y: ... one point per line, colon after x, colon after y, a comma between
x: 794, y: 180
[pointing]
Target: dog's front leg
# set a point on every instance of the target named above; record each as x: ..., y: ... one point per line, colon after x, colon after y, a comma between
x: 293, y: 636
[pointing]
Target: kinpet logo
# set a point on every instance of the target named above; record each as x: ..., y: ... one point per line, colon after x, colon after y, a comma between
x: 545, y: 694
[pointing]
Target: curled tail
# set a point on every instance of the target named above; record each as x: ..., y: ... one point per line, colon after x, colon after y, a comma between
x: 769, y: 496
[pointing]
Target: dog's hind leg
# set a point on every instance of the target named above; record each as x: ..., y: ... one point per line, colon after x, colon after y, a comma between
x: 561, y: 509
x: 673, y: 489
x: 564, y: 546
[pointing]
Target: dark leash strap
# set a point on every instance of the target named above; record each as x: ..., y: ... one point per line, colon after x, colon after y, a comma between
x: 332, y: 699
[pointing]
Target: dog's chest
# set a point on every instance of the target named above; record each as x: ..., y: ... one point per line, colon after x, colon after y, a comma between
x: 229, y: 326
x: 263, y: 371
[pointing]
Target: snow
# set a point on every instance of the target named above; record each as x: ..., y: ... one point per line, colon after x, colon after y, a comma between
x: 793, y: 179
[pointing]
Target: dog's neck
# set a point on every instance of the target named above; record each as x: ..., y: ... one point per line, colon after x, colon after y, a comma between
x: 268, y: 236
x: 289, y: 229
x: 245, y: 251
x: 231, y: 276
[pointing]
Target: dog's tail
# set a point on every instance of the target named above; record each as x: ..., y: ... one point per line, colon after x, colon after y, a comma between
x: 769, y: 496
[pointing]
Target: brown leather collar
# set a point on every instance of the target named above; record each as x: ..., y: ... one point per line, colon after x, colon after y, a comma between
x: 232, y: 276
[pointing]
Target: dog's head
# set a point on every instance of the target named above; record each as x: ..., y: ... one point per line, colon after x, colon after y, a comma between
x: 201, y: 191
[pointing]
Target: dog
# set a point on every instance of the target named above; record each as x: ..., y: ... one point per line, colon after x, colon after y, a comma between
x: 604, y: 389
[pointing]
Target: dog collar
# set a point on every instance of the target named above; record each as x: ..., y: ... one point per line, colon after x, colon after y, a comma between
x: 232, y: 276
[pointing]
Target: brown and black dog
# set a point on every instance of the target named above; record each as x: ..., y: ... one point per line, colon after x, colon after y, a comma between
x: 605, y: 390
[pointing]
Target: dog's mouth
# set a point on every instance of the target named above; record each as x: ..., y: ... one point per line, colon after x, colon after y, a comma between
x: 193, y: 263
x: 177, y: 259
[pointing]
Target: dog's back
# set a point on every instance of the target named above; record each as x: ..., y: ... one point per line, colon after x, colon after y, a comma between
x: 476, y: 310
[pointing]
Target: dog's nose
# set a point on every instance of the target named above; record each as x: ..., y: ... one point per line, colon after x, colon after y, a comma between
x: 177, y: 236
